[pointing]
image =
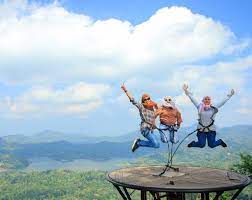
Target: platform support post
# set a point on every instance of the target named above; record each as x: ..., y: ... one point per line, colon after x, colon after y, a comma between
x: 218, y: 194
x: 237, y: 193
x: 202, y: 196
x: 143, y: 195
x: 207, y: 195
x: 120, y: 192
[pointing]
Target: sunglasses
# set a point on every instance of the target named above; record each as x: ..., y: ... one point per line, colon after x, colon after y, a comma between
x: 168, y: 100
x: 147, y: 99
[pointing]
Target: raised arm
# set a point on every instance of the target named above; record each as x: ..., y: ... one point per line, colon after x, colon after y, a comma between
x: 189, y: 94
x: 218, y: 105
x: 131, y: 98
x: 126, y: 92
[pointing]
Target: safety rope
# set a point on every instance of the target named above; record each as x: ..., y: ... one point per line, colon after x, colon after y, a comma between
x: 173, y: 154
x: 170, y: 153
x: 169, y: 162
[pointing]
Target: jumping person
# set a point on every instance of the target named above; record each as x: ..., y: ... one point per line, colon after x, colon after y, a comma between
x: 146, y: 109
x: 206, y: 127
x: 170, y: 120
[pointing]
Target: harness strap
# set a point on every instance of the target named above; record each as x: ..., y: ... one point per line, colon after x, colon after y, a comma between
x: 206, y: 127
x: 169, y: 127
x: 212, y: 120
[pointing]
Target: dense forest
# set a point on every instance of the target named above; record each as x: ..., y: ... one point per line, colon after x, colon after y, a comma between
x: 16, y: 184
x: 65, y: 184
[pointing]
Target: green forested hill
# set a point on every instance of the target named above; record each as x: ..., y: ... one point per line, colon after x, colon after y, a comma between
x: 15, y: 155
x: 92, y: 185
x: 65, y: 185
x: 57, y: 184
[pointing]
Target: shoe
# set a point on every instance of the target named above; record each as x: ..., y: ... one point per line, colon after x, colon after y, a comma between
x: 223, y: 143
x: 163, y: 139
x: 189, y: 145
x: 135, y: 145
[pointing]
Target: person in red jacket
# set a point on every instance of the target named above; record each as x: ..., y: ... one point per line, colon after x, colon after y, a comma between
x: 170, y: 120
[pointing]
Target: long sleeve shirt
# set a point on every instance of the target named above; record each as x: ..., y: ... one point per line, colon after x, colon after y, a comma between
x: 169, y: 116
x: 206, y: 117
x: 147, y: 116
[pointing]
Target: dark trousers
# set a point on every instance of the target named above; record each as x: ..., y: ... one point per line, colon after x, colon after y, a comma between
x: 209, y: 136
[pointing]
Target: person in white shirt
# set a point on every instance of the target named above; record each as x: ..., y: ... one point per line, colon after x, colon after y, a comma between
x: 206, y: 127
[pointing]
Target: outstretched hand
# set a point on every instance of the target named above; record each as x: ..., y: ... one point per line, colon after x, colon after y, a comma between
x: 123, y: 87
x: 185, y: 88
x: 231, y: 92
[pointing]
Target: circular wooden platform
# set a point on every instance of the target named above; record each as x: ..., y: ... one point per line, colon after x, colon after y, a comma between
x: 188, y: 179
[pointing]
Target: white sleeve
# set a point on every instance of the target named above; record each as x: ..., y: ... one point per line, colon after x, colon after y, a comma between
x: 193, y: 100
x: 218, y: 105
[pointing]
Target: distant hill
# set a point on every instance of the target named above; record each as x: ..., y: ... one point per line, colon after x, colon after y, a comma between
x: 17, y: 149
x: 54, y: 136
x: 229, y: 133
x: 65, y: 151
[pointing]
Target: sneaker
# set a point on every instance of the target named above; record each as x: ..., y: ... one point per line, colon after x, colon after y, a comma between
x: 135, y: 145
x: 223, y: 143
x: 189, y: 145
x: 163, y: 138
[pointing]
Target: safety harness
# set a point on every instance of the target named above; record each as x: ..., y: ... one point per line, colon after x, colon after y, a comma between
x: 170, y: 158
x: 212, y: 121
x: 174, y: 128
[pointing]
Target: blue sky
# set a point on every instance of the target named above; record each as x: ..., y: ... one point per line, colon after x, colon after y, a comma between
x: 63, y: 62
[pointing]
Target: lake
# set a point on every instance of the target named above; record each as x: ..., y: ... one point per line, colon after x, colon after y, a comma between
x: 44, y: 163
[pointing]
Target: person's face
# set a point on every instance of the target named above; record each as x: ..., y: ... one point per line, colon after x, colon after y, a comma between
x: 168, y: 99
x: 207, y: 101
x: 146, y: 99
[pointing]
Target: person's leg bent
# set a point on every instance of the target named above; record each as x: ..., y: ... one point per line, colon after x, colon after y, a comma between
x: 201, y: 140
x: 211, y: 139
x: 151, y: 139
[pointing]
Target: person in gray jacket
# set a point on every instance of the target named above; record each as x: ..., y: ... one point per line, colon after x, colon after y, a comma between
x: 206, y: 127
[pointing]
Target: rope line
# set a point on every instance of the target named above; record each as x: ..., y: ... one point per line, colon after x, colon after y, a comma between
x: 169, y: 162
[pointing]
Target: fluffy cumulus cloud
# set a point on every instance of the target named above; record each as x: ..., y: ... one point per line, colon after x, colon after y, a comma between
x: 49, y: 44
x: 77, y: 99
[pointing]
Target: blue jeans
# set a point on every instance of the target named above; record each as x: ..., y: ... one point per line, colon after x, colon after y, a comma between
x: 209, y: 136
x: 173, y: 138
x: 151, y: 139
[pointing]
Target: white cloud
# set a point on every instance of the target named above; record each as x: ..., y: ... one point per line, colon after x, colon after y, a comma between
x: 50, y: 43
x: 212, y: 79
x: 80, y: 98
x: 74, y: 93
x: 182, y: 100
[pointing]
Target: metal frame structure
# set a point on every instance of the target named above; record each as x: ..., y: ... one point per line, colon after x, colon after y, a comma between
x: 159, y: 193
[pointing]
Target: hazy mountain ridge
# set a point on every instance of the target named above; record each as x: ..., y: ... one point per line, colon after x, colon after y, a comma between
x: 54, y: 136
x: 15, y: 152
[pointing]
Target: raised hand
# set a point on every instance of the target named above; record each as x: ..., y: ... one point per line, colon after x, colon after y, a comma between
x: 231, y: 92
x: 123, y: 87
x: 185, y: 88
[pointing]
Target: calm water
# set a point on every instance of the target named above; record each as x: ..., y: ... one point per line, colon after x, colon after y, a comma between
x: 42, y: 164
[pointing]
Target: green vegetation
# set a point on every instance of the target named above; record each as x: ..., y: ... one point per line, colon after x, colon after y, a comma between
x: 65, y: 184
x: 15, y: 153
x: 71, y: 185
x: 57, y: 184
x: 10, y: 161
x: 245, y: 166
